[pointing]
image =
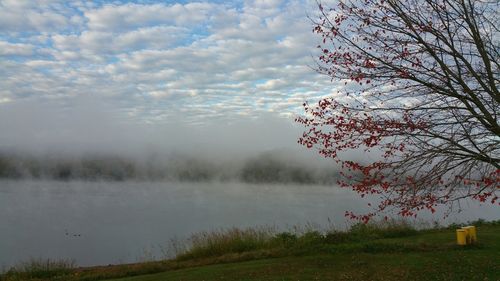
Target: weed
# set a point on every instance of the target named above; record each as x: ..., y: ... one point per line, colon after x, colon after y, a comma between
x: 234, y: 240
x: 38, y: 269
x: 286, y: 239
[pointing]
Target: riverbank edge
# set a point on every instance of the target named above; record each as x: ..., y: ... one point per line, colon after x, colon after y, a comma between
x: 372, y: 239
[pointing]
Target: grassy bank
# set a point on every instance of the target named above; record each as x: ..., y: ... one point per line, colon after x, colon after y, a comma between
x: 382, y: 251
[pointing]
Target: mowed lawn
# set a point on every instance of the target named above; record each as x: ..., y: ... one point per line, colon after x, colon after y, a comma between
x: 428, y: 255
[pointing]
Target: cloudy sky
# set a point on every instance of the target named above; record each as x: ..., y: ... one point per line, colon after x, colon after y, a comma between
x: 155, y: 61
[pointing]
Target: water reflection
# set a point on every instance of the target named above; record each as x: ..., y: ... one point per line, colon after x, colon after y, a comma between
x: 102, y: 222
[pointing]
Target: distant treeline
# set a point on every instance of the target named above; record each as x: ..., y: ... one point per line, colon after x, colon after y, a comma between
x: 264, y: 168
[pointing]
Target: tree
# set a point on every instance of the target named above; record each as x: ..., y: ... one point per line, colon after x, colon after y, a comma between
x: 422, y: 79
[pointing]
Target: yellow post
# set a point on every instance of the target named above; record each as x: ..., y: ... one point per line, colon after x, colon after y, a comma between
x: 471, y: 234
x: 461, y: 237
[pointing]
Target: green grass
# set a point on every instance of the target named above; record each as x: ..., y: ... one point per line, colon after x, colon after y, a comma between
x: 237, y: 241
x: 234, y: 240
x: 381, y: 251
x: 425, y: 255
x: 35, y: 269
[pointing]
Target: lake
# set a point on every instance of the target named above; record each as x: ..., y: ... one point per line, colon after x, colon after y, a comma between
x: 97, y: 223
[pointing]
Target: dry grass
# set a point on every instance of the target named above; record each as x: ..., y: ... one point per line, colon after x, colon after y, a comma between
x: 39, y: 269
x: 233, y: 240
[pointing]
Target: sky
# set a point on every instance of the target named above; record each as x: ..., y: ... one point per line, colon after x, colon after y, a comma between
x: 160, y: 61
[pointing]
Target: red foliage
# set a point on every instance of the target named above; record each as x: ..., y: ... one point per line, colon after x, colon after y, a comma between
x: 426, y: 108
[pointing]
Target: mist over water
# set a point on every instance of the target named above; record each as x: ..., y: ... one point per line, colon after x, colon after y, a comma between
x: 87, y: 183
x: 89, y: 142
x: 99, y: 223
x: 119, y: 221
x: 89, y: 127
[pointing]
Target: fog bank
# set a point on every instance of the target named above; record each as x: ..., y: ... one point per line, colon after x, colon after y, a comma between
x: 89, y: 141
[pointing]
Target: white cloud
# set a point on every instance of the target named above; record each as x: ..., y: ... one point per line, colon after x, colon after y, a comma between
x: 272, y: 84
x: 19, y: 49
x: 115, y: 17
x: 155, y: 61
x: 35, y: 16
x: 106, y: 43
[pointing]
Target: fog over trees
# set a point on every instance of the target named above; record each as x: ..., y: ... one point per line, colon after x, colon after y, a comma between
x: 270, y: 167
x: 93, y: 144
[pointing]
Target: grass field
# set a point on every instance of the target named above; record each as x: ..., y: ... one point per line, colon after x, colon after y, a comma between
x: 366, y: 252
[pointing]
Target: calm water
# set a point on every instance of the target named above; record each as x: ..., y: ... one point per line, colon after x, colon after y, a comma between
x: 102, y: 222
